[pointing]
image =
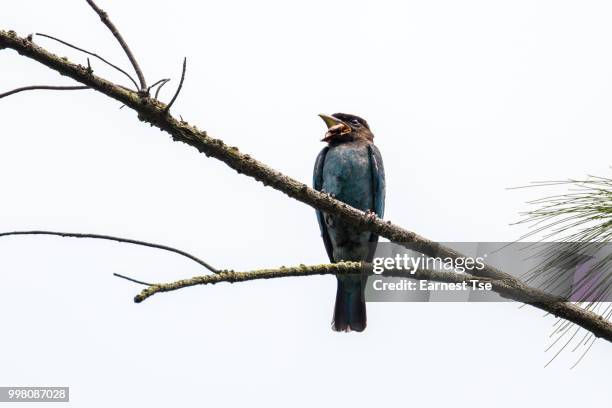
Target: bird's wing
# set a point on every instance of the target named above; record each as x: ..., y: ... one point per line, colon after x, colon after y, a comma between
x: 378, y: 188
x: 317, y: 180
x: 378, y: 180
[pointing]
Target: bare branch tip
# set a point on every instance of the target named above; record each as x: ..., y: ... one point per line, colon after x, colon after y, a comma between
x: 113, y: 238
x: 180, y: 86
x: 38, y: 87
x: 132, y: 279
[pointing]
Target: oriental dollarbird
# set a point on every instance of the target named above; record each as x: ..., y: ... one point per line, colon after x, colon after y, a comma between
x: 350, y: 169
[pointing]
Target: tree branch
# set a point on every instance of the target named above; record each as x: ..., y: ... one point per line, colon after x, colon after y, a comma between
x: 161, y: 85
x: 113, y: 238
x: 89, y: 53
x: 161, y: 81
x: 153, y: 112
x: 178, y: 90
x: 507, y: 290
x: 132, y: 279
x: 232, y: 277
x: 107, y: 22
x: 35, y: 87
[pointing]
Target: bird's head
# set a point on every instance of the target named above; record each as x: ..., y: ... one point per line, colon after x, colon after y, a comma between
x: 342, y: 127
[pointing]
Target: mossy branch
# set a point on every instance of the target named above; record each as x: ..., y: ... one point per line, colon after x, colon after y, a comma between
x: 341, y: 268
x: 505, y: 289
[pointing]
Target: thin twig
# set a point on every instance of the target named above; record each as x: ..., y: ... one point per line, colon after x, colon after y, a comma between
x: 35, y: 87
x: 132, y: 279
x: 107, y: 22
x: 157, y: 83
x: 160, y: 87
x: 113, y: 238
x: 93, y: 54
x: 180, y: 86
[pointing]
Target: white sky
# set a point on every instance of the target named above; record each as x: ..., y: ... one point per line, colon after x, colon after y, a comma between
x: 465, y: 99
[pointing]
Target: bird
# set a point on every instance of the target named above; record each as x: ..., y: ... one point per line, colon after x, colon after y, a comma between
x: 350, y: 169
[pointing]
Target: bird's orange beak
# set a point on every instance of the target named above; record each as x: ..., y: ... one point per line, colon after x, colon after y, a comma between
x: 335, y: 128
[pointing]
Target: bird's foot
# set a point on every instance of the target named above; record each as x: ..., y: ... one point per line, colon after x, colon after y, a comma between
x: 371, y: 215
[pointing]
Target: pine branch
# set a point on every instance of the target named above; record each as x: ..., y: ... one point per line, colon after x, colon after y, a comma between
x: 579, y: 217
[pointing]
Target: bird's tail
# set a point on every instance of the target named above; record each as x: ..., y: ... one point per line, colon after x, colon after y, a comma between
x: 350, y: 309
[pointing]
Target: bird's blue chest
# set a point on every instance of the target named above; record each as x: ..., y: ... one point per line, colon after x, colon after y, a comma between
x: 347, y: 174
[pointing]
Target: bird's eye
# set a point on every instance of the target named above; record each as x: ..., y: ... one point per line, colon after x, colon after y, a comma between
x: 356, y: 122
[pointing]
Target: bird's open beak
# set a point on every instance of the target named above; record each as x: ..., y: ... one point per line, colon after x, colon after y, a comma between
x: 335, y: 128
